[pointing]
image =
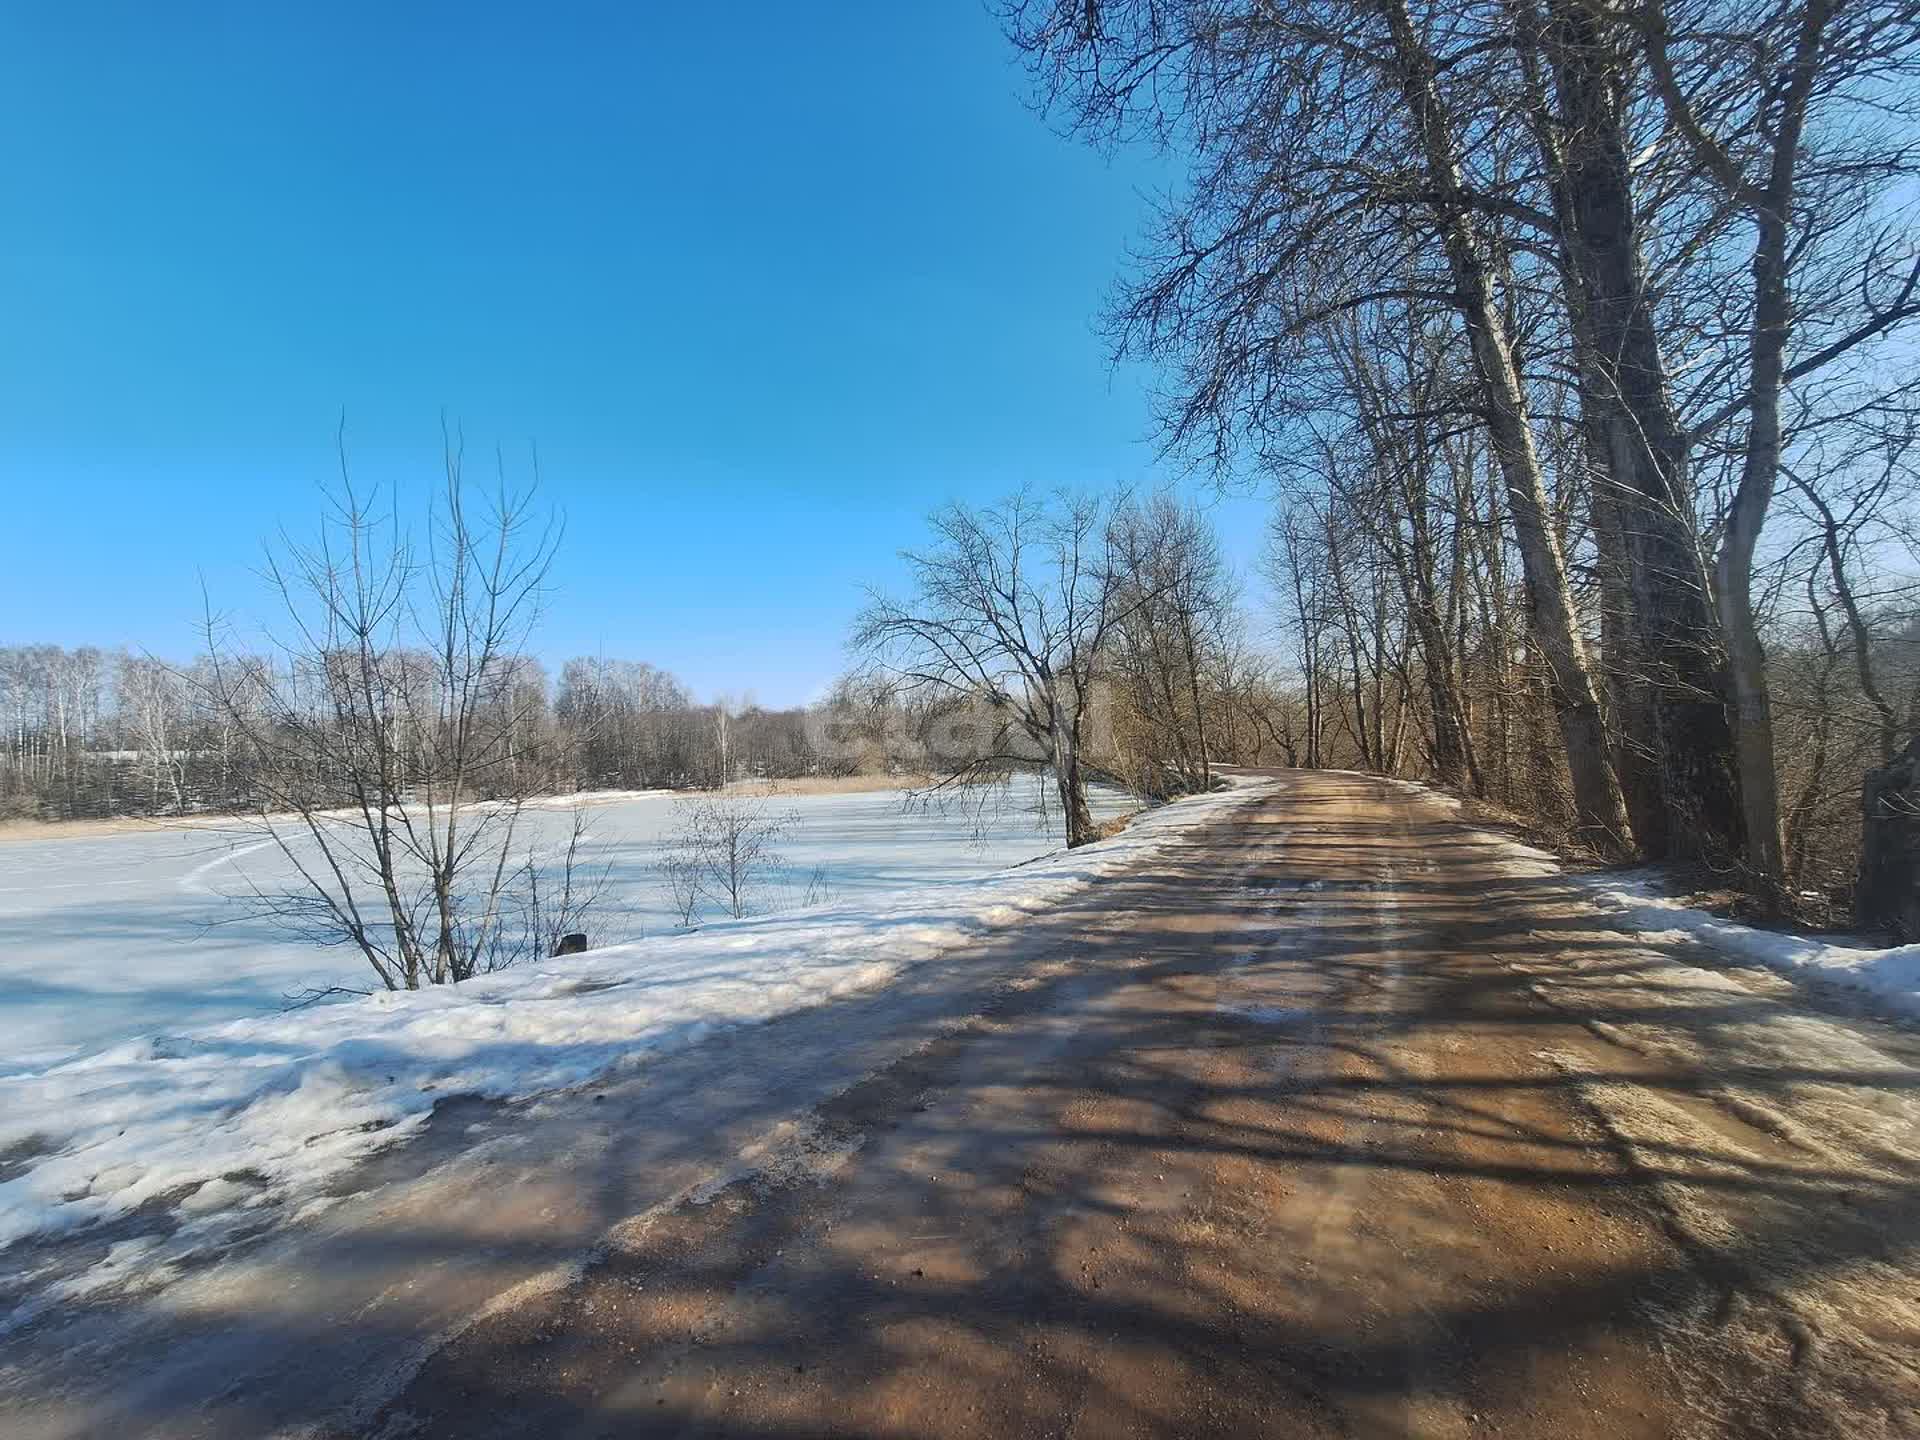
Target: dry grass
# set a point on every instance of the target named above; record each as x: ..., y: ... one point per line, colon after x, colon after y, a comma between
x: 117, y: 825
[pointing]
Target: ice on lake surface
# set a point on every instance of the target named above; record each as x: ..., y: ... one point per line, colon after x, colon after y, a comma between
x: 107, y: 938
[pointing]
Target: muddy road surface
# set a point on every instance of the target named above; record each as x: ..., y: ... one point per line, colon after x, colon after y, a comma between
x: 1343, y: 1119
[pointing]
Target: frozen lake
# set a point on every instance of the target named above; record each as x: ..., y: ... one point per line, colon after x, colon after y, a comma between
x: 107, y: 938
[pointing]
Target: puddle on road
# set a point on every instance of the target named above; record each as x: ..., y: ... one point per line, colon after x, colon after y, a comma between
x: 1270, y: 1014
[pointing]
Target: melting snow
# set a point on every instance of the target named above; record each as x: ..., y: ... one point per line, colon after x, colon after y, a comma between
x: 1892, y: 975
x: 261, y: 1108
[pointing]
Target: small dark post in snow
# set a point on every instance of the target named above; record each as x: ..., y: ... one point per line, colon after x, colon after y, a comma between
x: 574, y: 944
x: 1888, y: 897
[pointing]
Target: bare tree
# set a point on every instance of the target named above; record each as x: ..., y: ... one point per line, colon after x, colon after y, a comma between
x: 1176, y: 609
x: 680, y: 872
x: 1012, y: 607
x: 383, y: 734
x: 1789, y: 113
x: 153, y: 698
x: 723, y: 847
x: 1665, y: 663
x: 554, y: 895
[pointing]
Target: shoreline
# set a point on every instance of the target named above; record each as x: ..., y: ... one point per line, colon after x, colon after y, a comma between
x: 17, y: 831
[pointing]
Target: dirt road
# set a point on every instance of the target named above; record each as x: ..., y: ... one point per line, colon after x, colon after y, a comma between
x: 1337, y: 1122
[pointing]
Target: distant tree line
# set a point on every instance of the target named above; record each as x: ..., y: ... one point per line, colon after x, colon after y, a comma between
x: 93, y: 732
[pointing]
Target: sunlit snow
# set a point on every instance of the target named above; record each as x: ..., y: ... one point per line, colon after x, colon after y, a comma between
x: 111, y: 938
x: 281, y: 1100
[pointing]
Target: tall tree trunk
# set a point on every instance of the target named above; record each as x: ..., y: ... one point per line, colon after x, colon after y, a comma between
x: 1452, y: 751
x: 1460, y: 657
x: 1071, y: 782
x: 1766, y: 377
x: 1379, y: 665
x: 1887, y: 898
x: 1204, y: 774
x: 1676, y: 700
x: 1600, y: 810
x: 1309, y: 647
x: 1350, y: 632
x: 1799, y: 826
x: 1636, y: 736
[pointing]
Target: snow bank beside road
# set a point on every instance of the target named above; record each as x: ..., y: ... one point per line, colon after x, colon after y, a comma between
x: 252, y: 1112
x: 1893, y: 975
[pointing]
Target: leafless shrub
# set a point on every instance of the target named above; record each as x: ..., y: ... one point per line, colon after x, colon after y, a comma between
x: 386, y: 731
x: 723, y: 846
x: 682, y: 878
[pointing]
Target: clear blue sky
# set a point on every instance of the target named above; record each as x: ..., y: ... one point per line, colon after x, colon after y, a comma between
x: 764, y: 282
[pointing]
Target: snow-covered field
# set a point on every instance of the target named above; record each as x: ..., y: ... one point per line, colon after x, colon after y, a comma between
x: 117, y: 937
x: 225, y: 1118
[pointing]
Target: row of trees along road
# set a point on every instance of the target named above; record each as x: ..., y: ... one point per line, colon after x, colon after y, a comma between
x: 1574, y: 339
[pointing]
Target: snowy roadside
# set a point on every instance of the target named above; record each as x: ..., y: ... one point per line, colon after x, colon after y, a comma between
x: 255, y: 1113
x: 1891, y: 975
x: 1632, y: 903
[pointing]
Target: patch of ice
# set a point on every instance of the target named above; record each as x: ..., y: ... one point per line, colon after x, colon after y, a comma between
x: 109, y: 937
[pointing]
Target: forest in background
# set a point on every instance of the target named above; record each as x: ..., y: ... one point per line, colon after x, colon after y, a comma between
x: 92, y: 732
